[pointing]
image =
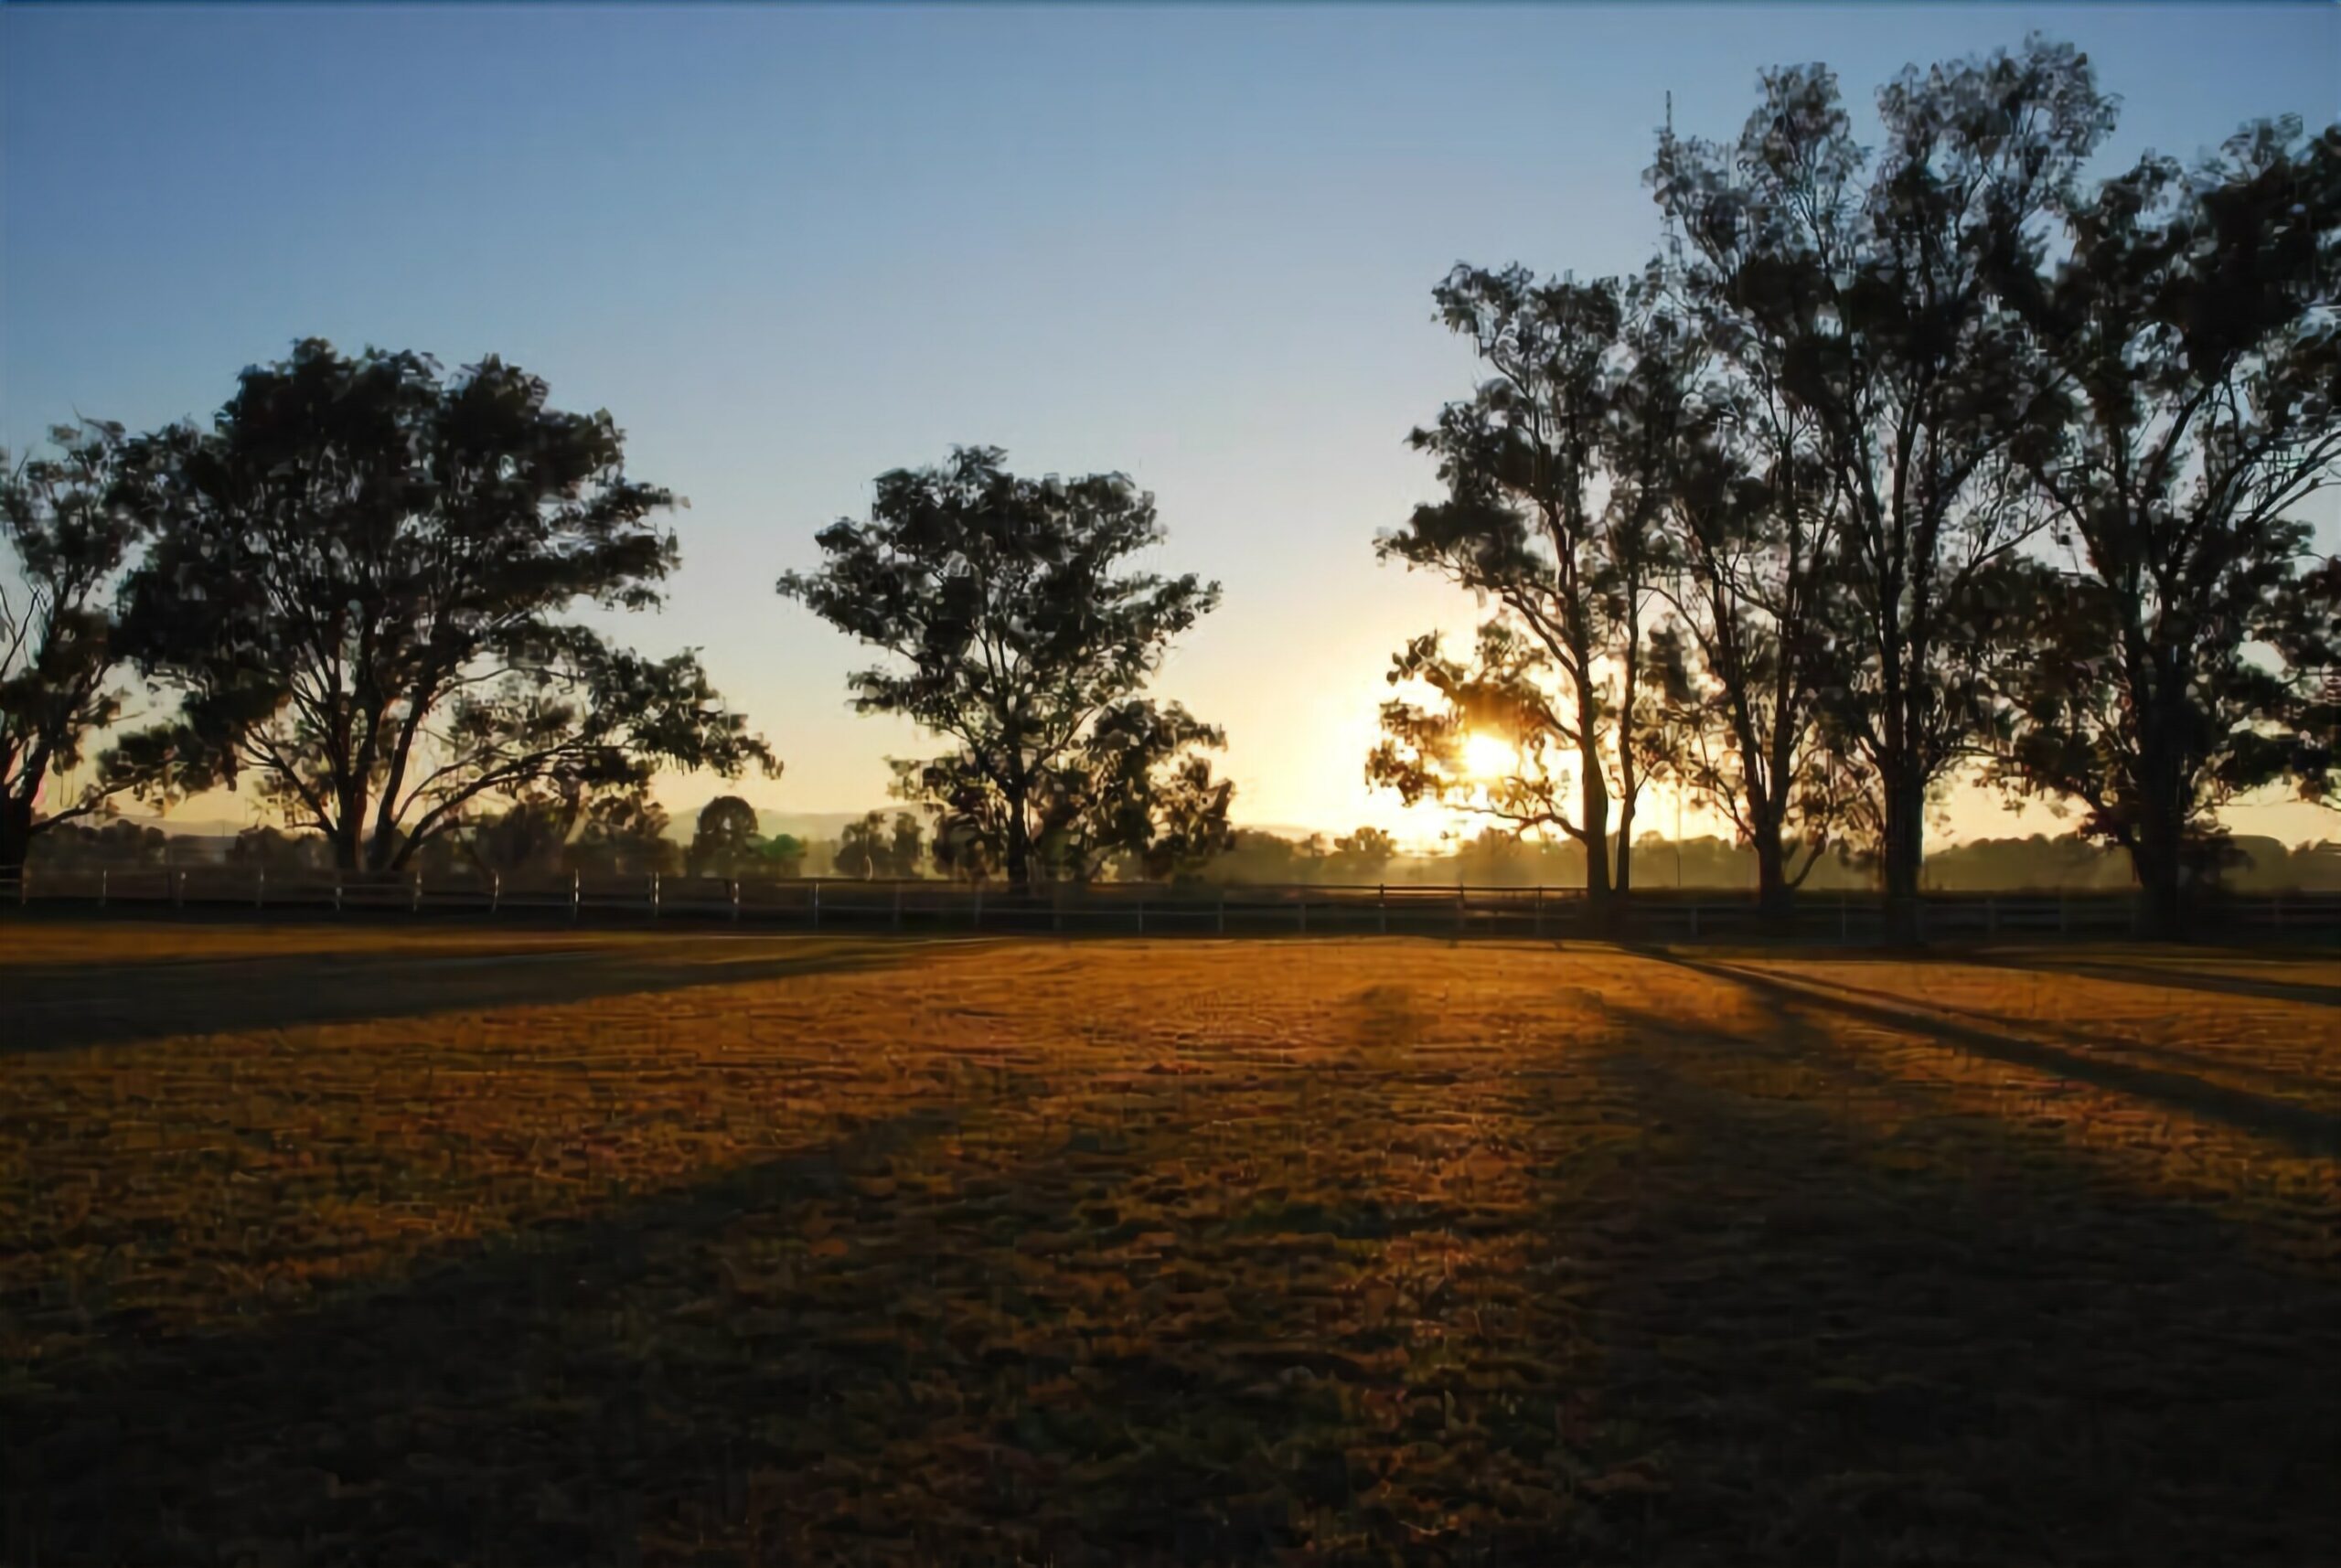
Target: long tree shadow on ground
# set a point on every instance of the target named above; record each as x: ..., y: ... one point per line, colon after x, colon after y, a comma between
x: 509, y: 1402
x: 2113, y: 1046
x: 2170, y: 977
x: 2301, y: 1127
x: 1857, y: 1328
x: 1644, y: 1293
x: 64, y: 1007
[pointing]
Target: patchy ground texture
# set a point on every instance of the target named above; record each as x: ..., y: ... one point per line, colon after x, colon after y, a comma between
x: 330, y: 1247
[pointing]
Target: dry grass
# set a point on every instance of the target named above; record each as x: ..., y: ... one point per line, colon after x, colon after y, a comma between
x: 770, y: 1249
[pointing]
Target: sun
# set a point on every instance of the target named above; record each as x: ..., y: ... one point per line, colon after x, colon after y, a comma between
x: 1487, y: 756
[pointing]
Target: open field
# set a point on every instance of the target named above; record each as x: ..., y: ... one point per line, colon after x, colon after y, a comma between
x: 355, y: 1245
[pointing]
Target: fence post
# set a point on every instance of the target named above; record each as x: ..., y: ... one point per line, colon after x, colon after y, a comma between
x: 178, y: 889
x: 494, y: 892
x: 101, y: 886
x: 259, y: 887
x: 574, y: 896
x: 817, y: 906
x: 735, y: 901
x: 337, y: 892
x: 415, y: 907
x: 654, y: 895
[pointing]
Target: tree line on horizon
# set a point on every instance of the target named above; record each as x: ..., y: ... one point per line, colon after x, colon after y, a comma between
x: 1894, y: 463
x: 872, y: 847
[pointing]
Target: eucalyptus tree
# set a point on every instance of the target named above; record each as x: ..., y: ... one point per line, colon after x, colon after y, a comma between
x: 2183, y: 655
x: 1865, y: 286
x: 1017, y: 632
x: 66, y: 536
x: 1551, y: 517
x: 357, y: 581
x: 1746, y: 650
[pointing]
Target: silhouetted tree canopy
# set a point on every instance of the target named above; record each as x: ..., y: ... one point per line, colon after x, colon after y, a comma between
x: 68, y: 536
x: 1863, y: 286
x: 1553, y: 498
x: 2180, y: 659
x: 355, y: 585
x: 1749, y: 542
x: 1018, y: 635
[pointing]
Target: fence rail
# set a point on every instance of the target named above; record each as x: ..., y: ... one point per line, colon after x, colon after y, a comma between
x: 1136, y: 909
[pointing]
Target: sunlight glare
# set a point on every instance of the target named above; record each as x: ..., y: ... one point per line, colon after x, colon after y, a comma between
x: 1487, y: 756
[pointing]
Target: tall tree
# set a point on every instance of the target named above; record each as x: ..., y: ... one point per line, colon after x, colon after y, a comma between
x: 1548, y: 515
x: 68, y: 536
x: 1865, y: 287
x: 1745, y: 651
x: 357, y: 581
x: 2184, y: 647
x: 1015, y: 630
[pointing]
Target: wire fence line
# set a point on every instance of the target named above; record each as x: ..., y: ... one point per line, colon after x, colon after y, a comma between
x: 1136, y: 908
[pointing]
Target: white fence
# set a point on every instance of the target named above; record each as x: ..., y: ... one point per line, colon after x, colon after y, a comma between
x: 1135, y: 909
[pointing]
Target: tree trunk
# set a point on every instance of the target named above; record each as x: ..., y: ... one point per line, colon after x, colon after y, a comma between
x: 2164, y: 791
x: 15, y: 832
x: 1621, y: 887
x: 1019, y: 845
x: 1773, y: 894
x: 2158, y: 858
x: 1597, y: 884
x: 1600, y: 906
x: 1905, y: 852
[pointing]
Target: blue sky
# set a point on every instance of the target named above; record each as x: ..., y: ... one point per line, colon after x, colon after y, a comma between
x: 790, y: 248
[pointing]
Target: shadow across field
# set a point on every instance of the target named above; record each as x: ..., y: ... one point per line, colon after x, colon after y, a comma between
x: 56, y: 1007
x: 2048, y: 1029
x: 2167, y: 977
x: 2298, y: 1127
x: 1909, y: 1338
x: 1711, y: 1297
x: 490, y: 1407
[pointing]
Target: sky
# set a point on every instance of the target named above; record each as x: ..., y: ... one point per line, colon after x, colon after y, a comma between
x: 791, y: 248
